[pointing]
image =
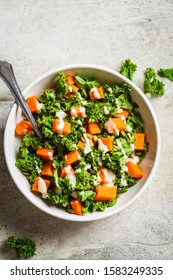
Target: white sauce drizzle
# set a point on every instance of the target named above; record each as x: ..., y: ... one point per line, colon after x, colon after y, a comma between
x: 110, y: 89
x: 95, y: 93
x: 50, y: 155
x: 109, y: 175
x: 79, y: 122
x: 128, y: 128
x: 72, y: 178
x: 132, y: 146
x: 123, y: 181
x: 134, y: 159
x: 39, y: 106
x: 101, y: 146
x: 70, y: 88
x: 110, y: 126
x: 120, y: 146
x: 73, y: 112
x: 60, y: 126
x: 82, y: 111
x: 60, y: 114
x: 42, y: 186
x: 99, y: 161
x: 87, y: 148
x: 106, y: 111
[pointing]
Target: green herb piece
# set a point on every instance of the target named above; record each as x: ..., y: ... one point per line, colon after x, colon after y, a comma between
x: 24, y: 246
x: 59, y: 199
x: 152, y: 84
x: 128, y: 69
x: 29, y: 163
x: 168, y: 73
x: 62, y: 87
x: 135, y: 122
x: 84, y: 195
x: 90, y: 205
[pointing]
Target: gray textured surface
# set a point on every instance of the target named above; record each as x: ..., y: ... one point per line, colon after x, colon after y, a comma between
x: 37, y: 36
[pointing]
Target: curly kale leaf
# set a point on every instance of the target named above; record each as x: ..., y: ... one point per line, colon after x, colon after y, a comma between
x: 24, y: 247
x: 152, y: 84
x: 28, y: 163
x: 62, y: 87
x: 58, y: 199
x: 128, y: 69
x: 89, y: 205
x: 167, y: 73
x: 135, y: 122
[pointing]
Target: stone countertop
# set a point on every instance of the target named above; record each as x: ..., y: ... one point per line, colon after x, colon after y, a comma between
x: 37, y: 36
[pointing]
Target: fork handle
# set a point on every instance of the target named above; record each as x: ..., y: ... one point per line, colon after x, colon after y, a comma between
x: 7, y: 75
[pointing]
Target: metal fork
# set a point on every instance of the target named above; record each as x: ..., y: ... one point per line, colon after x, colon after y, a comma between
x: 7, y: 75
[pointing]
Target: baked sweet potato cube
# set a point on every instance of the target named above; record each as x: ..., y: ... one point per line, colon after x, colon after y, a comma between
x: 96, y: 93
x: 69, y: 95
x: 124, y: 113
x: 104, y: 192
x: 93, y: 128
x: 139, y: 141
x: 108, y: 142
x: 77, y: 111
x: 66, y: 170
x: 35, y: 186
x: 61, y: 127
x: 23, y: 127
x: 70, y: 80
x: 47, y: 169
x: 32, y: 104
x: 76, y: 206
x: 72, y: 157
x: 134, y: 170
x: 45, y: 154
x: 119, y: 123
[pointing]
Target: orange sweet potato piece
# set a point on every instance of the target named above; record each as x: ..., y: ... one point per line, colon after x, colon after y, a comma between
x: 76, y: 206
x: 72, y: 157
x: 70, y: 80
x: 119, y: 123
x: 124, y: 113
x: 100, y: 92
x: 35, y: 185
x: 23, y: 127
x: 105, y: 193
x: 56, y: 126
x: 93, y: 128
x: 77, y: 111
x: 45, y: 154
x: 102, y: 177
x: 139, y: 141
x: 47, y: 169
x: 108, y: 142
x: 106, y: 176
x: 69, y: 94
x: 67, y: 128
x: 32, y: 104
x: 74, y: 88
x: 134, y: 170
x: 64, y: 171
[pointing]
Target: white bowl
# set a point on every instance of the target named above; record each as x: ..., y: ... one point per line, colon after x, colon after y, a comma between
x: 103, y: 75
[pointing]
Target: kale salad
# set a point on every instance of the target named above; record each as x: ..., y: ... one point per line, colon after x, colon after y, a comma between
x: 92, y: 146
